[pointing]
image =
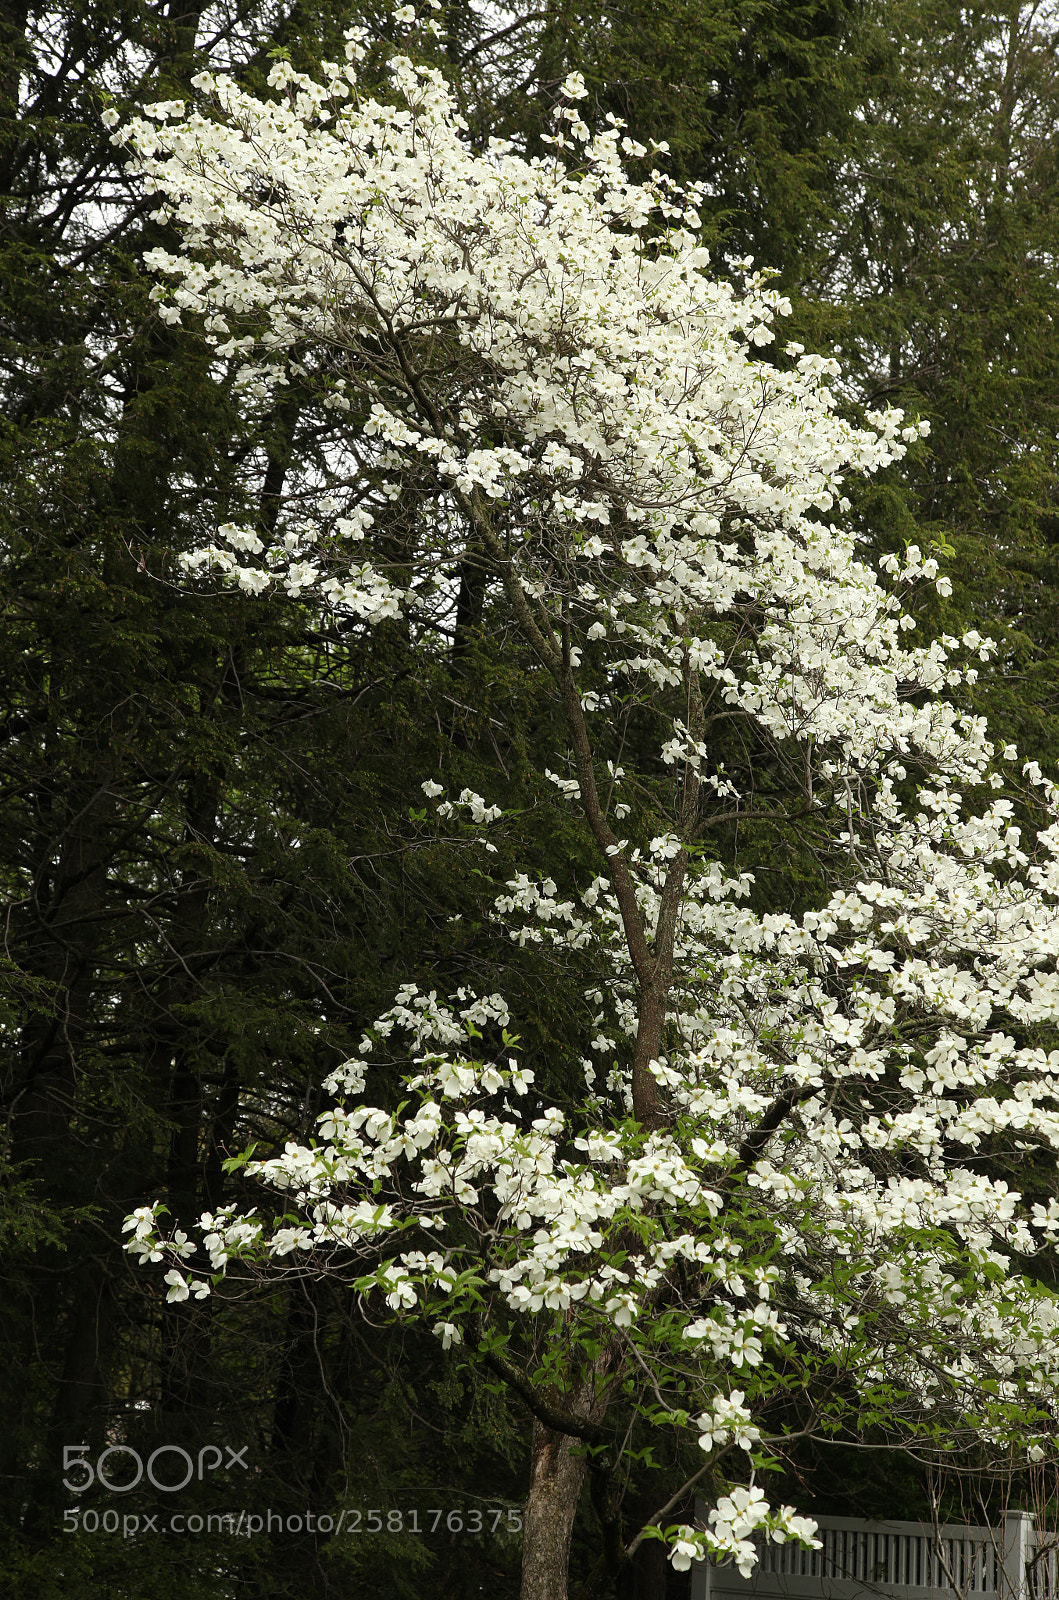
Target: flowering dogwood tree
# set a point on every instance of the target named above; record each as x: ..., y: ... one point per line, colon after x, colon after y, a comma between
x: 772, y: 1180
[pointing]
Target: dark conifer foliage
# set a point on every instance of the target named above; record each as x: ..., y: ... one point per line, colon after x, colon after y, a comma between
x: 208, y: 885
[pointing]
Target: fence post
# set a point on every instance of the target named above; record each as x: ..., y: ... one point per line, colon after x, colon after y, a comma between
x: 700, y: 1580
x: 700, y: 1570
x: 1017, y: 1554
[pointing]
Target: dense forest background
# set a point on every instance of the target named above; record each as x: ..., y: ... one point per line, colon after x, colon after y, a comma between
x: 216, y: 864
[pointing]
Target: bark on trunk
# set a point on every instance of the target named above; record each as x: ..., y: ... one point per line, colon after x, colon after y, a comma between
x: 556, y: 1480
x: 557, y: 1476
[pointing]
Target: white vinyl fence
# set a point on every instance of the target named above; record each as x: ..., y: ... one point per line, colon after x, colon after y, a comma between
x: 896, y: 1561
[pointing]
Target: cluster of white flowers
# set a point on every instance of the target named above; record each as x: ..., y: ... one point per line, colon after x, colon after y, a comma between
x: 733, y: 1522
x: 729, y: 1419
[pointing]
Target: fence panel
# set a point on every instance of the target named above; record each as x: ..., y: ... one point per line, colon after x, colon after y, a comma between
x: 862, y: 1560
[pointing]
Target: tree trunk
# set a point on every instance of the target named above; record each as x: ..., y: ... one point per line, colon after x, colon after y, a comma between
x: 557, y: 1476
x: 556, y: 1479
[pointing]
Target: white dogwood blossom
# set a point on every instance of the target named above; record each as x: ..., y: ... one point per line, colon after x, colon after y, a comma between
x: 775, y: 1160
